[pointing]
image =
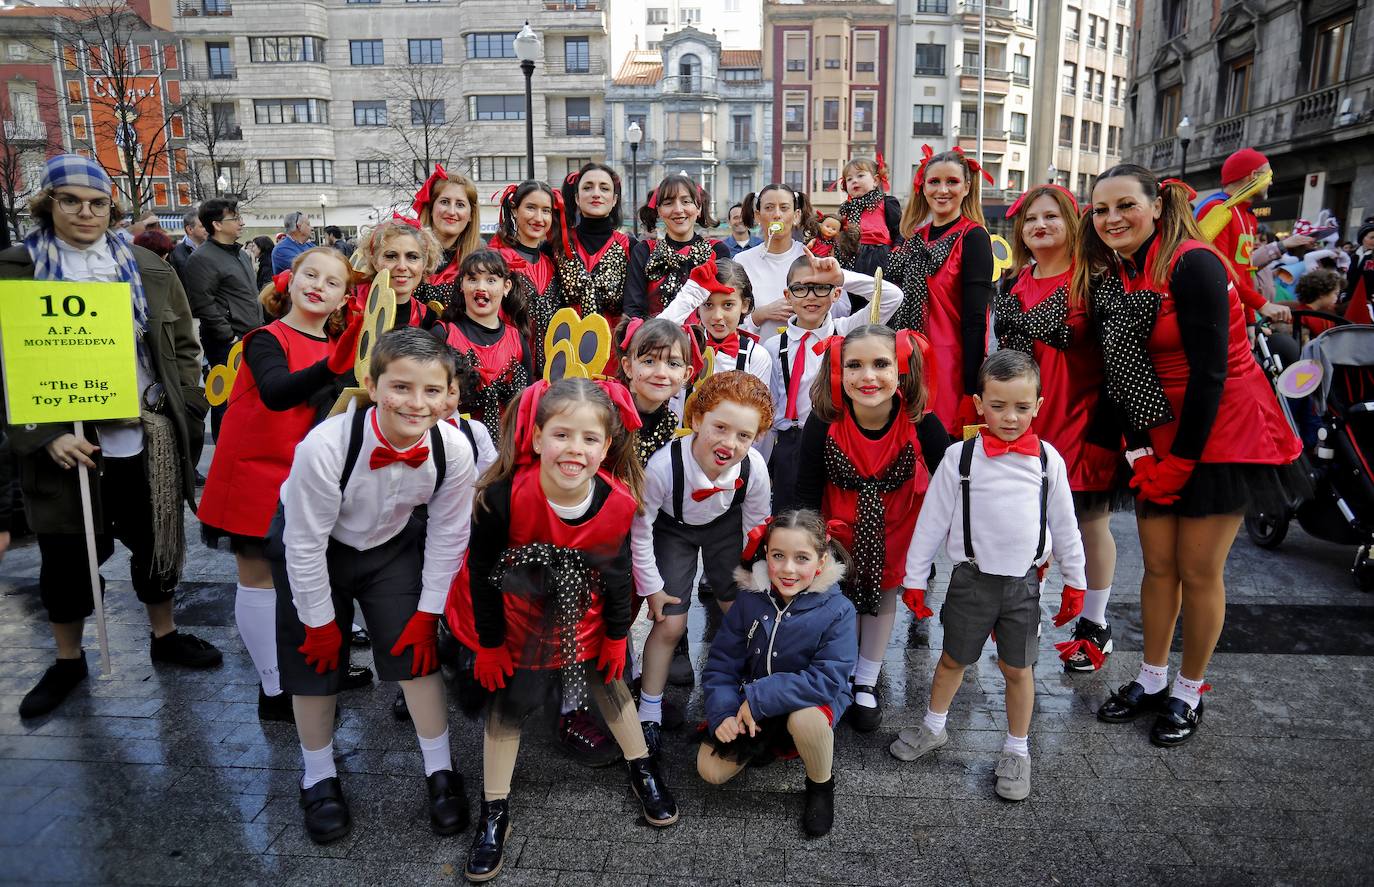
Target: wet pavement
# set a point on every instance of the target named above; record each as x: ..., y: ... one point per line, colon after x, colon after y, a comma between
x: 160, y: 775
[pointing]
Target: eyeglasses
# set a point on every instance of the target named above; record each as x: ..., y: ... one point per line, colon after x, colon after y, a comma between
x: 232, y: 219
x: 814, y: 290
x: 72, y: 205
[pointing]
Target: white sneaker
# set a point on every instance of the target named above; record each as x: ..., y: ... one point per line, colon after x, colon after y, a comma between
x: 1013, y: 776
x: 917, y: 742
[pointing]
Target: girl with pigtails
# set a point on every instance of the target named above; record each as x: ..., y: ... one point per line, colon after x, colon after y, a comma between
x: 1204, y: 433
x: 867, y: 452
x: 659, y: 267
x: 528, y: 235
x: 945, y: 268
x: 594, y: 267
x: 446, y: 204
x: 778, y: 211
x: 876, y: 215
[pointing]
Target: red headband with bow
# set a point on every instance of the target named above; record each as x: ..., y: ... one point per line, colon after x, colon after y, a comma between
x: 529, y: 408
x: 425, y: 196
x: 974, y: 165
x: 414, y: 223
x: 882, y: 170
x: 1187, y: 188
x: 754, y: 540
x: 282, y: 282
x: 1040, y: 189
x: 927, y: 152
x: 631, y: 327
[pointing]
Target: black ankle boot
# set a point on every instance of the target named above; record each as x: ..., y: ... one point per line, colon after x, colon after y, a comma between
x: 55, y: 685
x: 326, y: 811
x: 276, y: 708
x: 489, y: 843
x: 448, y: 802
x: 819, y: 813
x: 654, y: 797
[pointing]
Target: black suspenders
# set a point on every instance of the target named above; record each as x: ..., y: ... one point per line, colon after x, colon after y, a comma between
x: 680, y: 479
x: 355, y: 446
x: 965, y: 468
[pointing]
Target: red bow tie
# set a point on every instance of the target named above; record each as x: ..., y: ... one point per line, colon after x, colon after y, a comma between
x: 703, y: 494
x: 384, y: 456
x: 728, y: 346
x: 1027, y: 445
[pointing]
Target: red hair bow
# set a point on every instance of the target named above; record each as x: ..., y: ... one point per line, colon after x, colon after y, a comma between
x: 570, y: 178
x: 524, y: 421
x: 624, y: 402
x: 835, y: 345
x: 281, y: 282
x: 910, y: 342
x: 974, y: 165
x: 653, y: 199
x: 835, y: 528
x: 425, y: 196
x: 754, y: 540
x: 560, y: 208
x: 1037, y: 192
x: 414, y: 223
x: 927, y: 152
x: 882, y: 170
x: 1187, y: 188
x: 631, y: 327
x: 505, y: 194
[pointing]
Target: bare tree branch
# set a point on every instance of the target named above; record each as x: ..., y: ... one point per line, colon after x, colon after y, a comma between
x: 424, y: 127
x: 214, y: 138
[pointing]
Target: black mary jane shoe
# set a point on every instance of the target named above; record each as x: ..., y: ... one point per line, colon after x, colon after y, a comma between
x: 862, y: 718
x: 399, y: 710
x: 276, y: 708
x: 654, y: 797
x: 448, y: 802
x: 326, y: 811
x: 1130, y: 702
x: 819, y: 813
x: 356, y: 678
x: 489, y: 843
x: 1176, y: 723
x: 360, y: 639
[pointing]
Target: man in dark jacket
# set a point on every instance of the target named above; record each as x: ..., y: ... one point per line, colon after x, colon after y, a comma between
x: 221, y: 285
x: 142, y: 470
x: 194, y: 236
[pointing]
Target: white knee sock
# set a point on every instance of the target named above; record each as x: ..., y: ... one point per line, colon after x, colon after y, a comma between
x: 1189, y: 691
x: 1016, y: 745
x: 935, y: 721
x: 255, y: 612
x: 319, y: 765
x: 1153, y: 678
x: 650, y: 707
x: 1095, y: 604
x: 436, y: 752
x: 866, y: 674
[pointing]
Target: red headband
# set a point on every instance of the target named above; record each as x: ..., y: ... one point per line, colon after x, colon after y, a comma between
x: 282, y: 282
x: 882, y: 170
x: 754, y: 540
x: 631, y: 327
x: 1016, y: 205
x: 974, y: 165
x: 425, y: 195
x: 529, y: 408
x: 835, y: 345
x: 414, y: 223
x: 1187, y: 188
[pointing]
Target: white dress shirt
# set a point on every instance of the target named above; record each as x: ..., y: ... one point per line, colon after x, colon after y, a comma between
x: 854, y: 282
x: 658, y: 496
x: 1004, y: 496
x: 371, y: 511
x: 96, y: 264
x: 768, y: 278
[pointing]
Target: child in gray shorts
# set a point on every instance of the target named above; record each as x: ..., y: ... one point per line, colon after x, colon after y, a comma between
x: 1000, y: 502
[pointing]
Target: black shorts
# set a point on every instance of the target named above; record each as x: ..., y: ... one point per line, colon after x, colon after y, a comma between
x: 978, y: 603
x: 385, y: 582
x: 676, y: 547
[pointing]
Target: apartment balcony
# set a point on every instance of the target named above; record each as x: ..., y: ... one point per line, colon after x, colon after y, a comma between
x: 20, y: 130
x: 994, y: 140
x: 932, y: 7
x: 204, y: 9
x: 201, y: 71
x: 742, y: 152
x: 927, y: 129
x: 564, y: 127
x: 648, y: 150
x: 998, y: 10
x: 930, y: 71
x: 1228, y: 135
x: 573, y: 15
x: 558, y: 67
x: 1160, y: 154
x: 688, y: 149
x: 995, y: 80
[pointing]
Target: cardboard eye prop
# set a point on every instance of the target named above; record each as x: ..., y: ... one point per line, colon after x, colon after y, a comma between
x: 379, y: 315
x: 576, y: 347
x: 219, y: 383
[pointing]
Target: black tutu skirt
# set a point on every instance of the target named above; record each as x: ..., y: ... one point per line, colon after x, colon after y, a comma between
x: 1096, y: 502
x: 248, y: 546
x: 773, y: 741
x: 537, y: 689
x: 1232, y: 488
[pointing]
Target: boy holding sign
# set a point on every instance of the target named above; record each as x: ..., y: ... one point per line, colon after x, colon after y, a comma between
x: 142, y: 478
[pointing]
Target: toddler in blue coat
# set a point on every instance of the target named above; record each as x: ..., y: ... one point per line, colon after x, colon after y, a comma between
x: 778, y: 673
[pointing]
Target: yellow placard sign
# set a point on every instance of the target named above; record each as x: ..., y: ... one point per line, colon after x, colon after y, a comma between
x: 69, y: 351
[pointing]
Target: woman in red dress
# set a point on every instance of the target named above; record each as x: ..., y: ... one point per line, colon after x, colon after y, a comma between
x: 594, y: 267
x: 446, y: 204
x: 1034, y: 314
x: 1205, y: 433
x: 528, y: 229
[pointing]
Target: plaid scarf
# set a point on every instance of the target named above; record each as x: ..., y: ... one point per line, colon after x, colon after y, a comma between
x: 47, y: 265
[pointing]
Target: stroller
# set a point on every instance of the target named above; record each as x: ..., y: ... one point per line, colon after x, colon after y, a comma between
x: 1341, y: 506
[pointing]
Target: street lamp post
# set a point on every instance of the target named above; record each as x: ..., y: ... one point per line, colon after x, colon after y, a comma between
x: 324, y: 201
x: 1053, y: 173
x: 527, y: 49
x: 1185, y: 135
x: 634, y: 134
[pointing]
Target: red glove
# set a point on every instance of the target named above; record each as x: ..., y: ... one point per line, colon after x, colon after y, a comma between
x: 915, y: 600
x: 322, y: 646
x: 611, y: 659
x: 345, y: 351
x: 705, y: 274
x: 1070, y: 605
x: 421, y: 634
x: 1161, y: 483
x: 967, y: 413
x: 493, y: 667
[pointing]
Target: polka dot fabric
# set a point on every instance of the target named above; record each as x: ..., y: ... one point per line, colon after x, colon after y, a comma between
x: 869, y: 554
x: 1125, y: 322
x: 909, y: 267
x: 598, y: 291
x: 1020, y: 329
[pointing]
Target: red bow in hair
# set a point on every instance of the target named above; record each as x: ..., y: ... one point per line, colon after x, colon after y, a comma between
x: 281, y: 282
x: 882, y: 170
x: 414, y: 223
x: 909, y: 340
x: 974, y: 165
x: 653, y: 199
x: 835, y: 344
x: 624, y: 402
x: 425, y: 196
x: 631, y: 327
x: 524, y: 421
x: 561, y: 209
x: 754, y: 540
x: 570, y: 178
x: 820, y: 216
x: 927, y: 152
x: 503, y: 195
x: 1187, y: 188
x: 837, y: 528
x: 1039, y: 190
x: 907, y: 343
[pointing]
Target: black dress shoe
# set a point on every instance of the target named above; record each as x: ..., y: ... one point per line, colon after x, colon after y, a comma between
x: 653, y: 736
x: 1130, y: 702
x: 326, y: 811
x: 448, y: 802
x: 356, y: 678
x: 1176, y: 724
x: 399, y: 710
x: 861, y: 717
x: 55, y: 685
x: 276, y: 708
x: 819, y: 813
x: 360, y: 639
x: 185, y: 649
x: 654, y: 797
x: 489, y: 843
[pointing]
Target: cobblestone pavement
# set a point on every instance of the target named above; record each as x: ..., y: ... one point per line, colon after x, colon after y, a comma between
x: 160, y: 775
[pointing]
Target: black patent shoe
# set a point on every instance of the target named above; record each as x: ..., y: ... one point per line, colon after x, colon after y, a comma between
x: 654, y: 797
x: 356, y: 678
x: 1089, y: 633
x: 326, y: 811
x: 1130, y: 702
x: 448, y: 802
x: 489, y: 843
x: 275, y: 708
x: 862, y: 718
x: 360, y: 639
x: 399, y: 710
x: 1176, y: 723
x: 184, y: 649
x: 54, y: 687
x: 819, y: 813
x: 653, y: 736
